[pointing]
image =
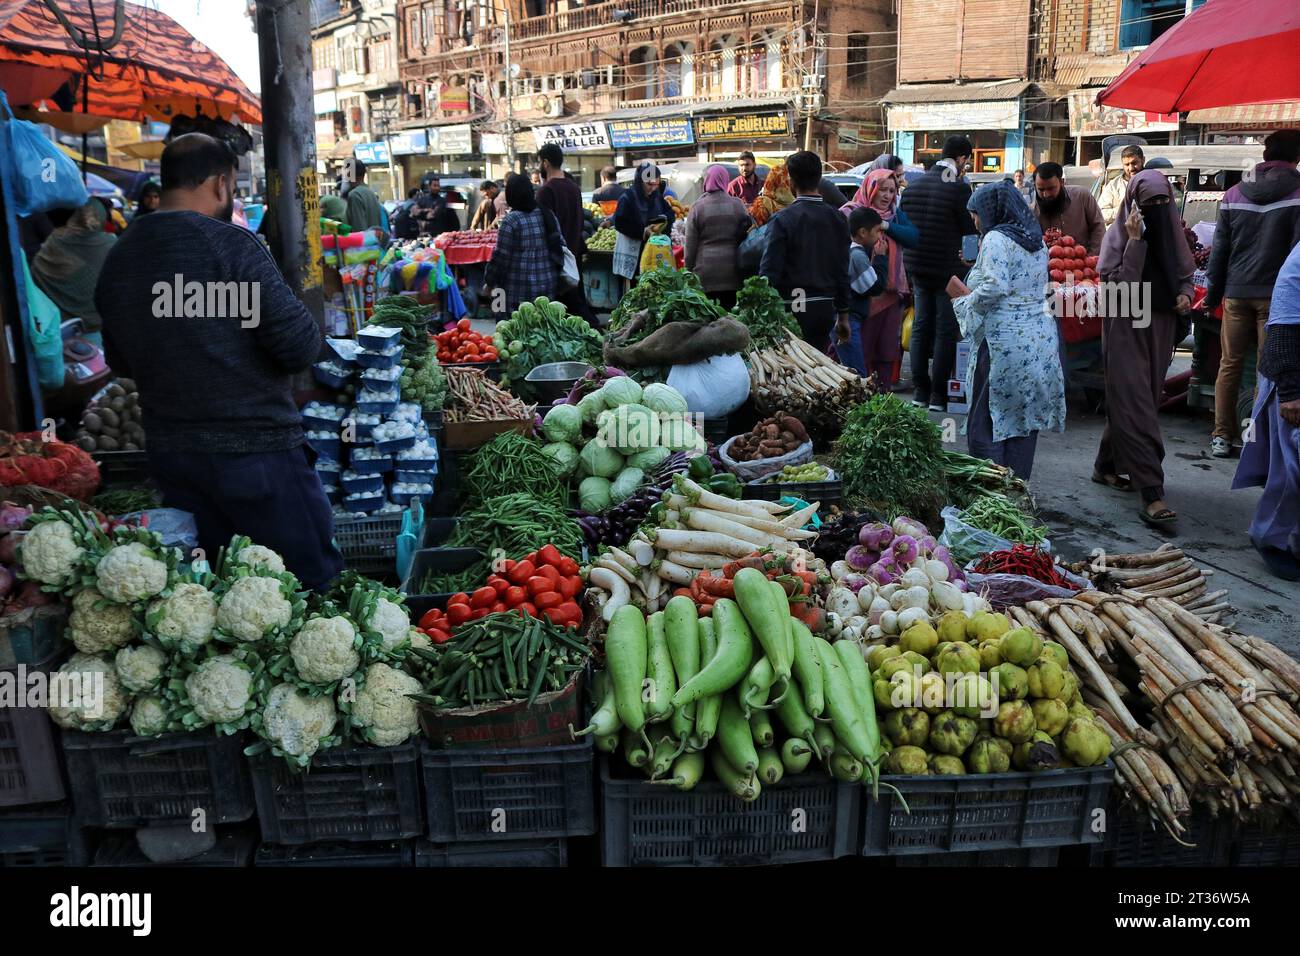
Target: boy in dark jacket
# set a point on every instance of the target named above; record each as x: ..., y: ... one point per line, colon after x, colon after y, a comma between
x: 866, y: 278
x: 1259, y: 223
x: 936, y: 205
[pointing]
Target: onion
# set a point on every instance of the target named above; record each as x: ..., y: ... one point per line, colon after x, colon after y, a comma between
x: 9, y: 546
x: 6, y: 580
x: 12, y: 516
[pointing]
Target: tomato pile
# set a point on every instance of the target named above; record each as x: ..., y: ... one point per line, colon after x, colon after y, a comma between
x: 1068, y: 261
x: 463, y: 344
x: 544, y: 583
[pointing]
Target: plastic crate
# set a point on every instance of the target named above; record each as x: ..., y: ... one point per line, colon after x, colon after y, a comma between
x: 437, y: 531
x: 352, y: 793
x: 118, y: 780
x: 512, y: 853
x: 1133, y: 841
x: 33, y: 635
x: 490, y: 795
x: 42, y: 836
x: 390, y: 853
x: 826, y: 493
x: 1266, y: 843
x: 997, y: 811
x: 715, y: 430
x: 368, y: 542
x: 434, y: 559
x: 234, y: 848
x: 1029, y: 857
x: 643, y: 824
x: 29, y: 756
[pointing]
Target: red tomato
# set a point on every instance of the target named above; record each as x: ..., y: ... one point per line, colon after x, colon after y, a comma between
x: 515, y: 596
x: 500, y: 585
x: 463, y: 325
x: 549, y: 554
x: 1057, y: 275
x: 1078, y: 275
x: 567, y: 565
x: 1065, y: 241
x: 480, y: 613
x: 529, y: 608
x: 538, y: 584
x: 471, y: 349
x: 1055, y: 264
x: 572, y: 612
x: 499, y: 607
x: 458, y: 614
x: 507, y: 565
x: 570, y: 586
x: 1056, y: 252
x: 483, y: 597
x: 438, y: 636
x: 1092, y: 262
x: 431, y: 618
x: 548, y: 599
x: 521, y: 572
x: 550, y: 572
x: 460, y: 597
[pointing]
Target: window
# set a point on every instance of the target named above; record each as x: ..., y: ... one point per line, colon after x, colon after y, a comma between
x: 1143, y: 21
x: 858, y: 59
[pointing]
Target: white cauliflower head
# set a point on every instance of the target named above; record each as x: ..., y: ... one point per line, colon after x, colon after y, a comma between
x: 149, y: 716
x: 140, y: 667
x: 392, y: 622
x: 324, y: 650
x: 220, y: 689
x: 94, y: 630
x: 383, y: 712
x: 252, y: 608
x: 85, y: 694
x: 295, y: 722
x: 130, y: 572
x: 186, y: 616
x: 259, y: 556
x: 51, y: 554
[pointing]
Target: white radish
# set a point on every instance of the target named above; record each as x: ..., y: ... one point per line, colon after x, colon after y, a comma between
x: 702, y: 520
x: 642, y: 550
x: 701, y: 562
x: 623, y: 558
x: 604, y: 561
x: 801, y: 517
x: 619, y: 593
x: 702, y: 496
x: 675, y: 573
x: 697, y: 542
x: 774, y: 528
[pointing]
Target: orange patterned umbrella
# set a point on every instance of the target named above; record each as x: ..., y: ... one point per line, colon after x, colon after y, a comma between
x: 156, y: 70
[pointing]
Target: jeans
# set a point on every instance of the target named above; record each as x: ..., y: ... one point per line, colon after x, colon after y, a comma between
x: 934, y: 336
x: 850, y: 353
x: 273, y: 497
x: 816, y: 320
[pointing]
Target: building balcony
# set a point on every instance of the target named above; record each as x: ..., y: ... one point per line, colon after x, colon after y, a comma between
x: 626, y: 13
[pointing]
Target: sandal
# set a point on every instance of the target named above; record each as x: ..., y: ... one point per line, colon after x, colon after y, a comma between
x: 1116, y: 482
x: 1163, y: 518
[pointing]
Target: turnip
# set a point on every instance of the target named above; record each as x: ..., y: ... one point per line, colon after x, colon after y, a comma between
x: 855, y: 582
x: 915, y: 578
x: 889, y: 622
x: 842, y: 601
x: 905, y: 525
x: 860, y: 558
x: 867, y: 597
x: 9, y: 546
x: 839, y: 569
x: 926, y: 544
x: 909, y: 616
x: 875, y: 536
x: 904, y: 550
x: 936, y: 570
x: 874, y: 632
x: 884, y: 571
x: 946, y: 597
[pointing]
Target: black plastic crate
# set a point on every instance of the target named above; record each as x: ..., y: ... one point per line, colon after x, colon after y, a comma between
x: 1133, y: 840
x: 434, y: 559
x: 512, y: 853
x: 118, y: 780
x: 644, y: 824
x: 499, y: 795
x: 446, y: 496
x: 368, y: 543
x: 352, y: 793
x: 997, y: 811
x: 42, y: 836
x: 1042, y: 856
x: 234, y: 848
x: 1266, y: 843
x: 826, y: 493
x: 32, y: 636
x: 29, y: 755
x: 437, y: 531
x: 387, y: 853
x: 716, y: 431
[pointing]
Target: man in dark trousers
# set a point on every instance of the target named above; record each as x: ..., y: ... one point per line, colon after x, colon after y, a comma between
x: 197, y: 313
x: 807, y: 255
x: 936, y: 204
x: 561, y: 195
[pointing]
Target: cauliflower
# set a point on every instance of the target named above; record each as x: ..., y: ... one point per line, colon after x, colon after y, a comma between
x: 220, y: 690
x: 386, y: 716
x: 94, y: 629
x: 184, y: 618
x: 325, y: 650
x: 85, y: 694
x: 149, y: 716
x: 51, y: 554
x: 392, y: 622
x: 140, y: 667
x: 130, y: 572
x: 296, y: 724
x: 258, y: 556
x: 419, y: 639
x: 253, y: 608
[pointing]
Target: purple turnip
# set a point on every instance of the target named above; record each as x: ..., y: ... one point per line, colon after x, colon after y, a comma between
x: 860, y: 558
x: 905, y: 525
x: 854, y: 582
x: 12, y: 516
x: 884, y: 571
x: 904, y: 550
x: 875, y: 536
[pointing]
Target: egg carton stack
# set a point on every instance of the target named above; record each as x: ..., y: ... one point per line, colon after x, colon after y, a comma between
x: 376, y: 456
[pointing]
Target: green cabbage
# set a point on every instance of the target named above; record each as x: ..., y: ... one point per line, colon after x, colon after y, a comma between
x: 563, y: 456
x: 562, y: 423
x: 591, y: 405
x: 597, y: 458
x: 620, y: 390
x: 636, y: 428
x: 663, y: 398
x: 680, y: 435
x: 650, y: 459
x: 626, y: 484
x: 593, y: 494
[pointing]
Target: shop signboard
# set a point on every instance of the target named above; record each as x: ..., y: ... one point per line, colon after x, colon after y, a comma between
x: 454, y: 99
x: 492, y: 144
x: 638, y: 134
x: 574, y: 137
x: 1089, y: 119
x: 927, y: 117
x: 743, y: 126
x: 409, y: 142
x: 453, y: 140
x: 372, y: 154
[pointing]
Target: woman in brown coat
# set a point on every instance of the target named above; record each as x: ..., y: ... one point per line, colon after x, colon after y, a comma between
x: 714, y: 228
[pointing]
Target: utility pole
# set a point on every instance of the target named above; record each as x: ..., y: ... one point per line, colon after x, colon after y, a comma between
x: 510, y: 99
x: 812, y: 71
x: 289, y: 144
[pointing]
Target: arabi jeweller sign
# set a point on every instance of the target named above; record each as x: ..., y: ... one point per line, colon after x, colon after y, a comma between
x: 574, y: 137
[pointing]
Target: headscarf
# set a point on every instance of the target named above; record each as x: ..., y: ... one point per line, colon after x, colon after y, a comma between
x: 716, y: 179
x: 776, y: 195
x: 636, y: 209
x: 69, y: 262
x: 1169, y: 264
x: 866, y: 194
x: 896, y: 275
x: 884, y: 161
x: 520, y: 195
x: 1002, y: 209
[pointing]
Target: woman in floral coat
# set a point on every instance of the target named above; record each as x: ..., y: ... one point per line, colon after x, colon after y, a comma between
x: 1014, y: 381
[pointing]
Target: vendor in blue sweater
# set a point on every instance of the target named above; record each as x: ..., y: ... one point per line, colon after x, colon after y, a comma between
x: 196, y: 311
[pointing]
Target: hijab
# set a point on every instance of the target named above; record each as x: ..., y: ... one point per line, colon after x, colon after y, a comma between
x: 68, y: 264
x: 636, y: 209
x: 866, y: 194
x: 716, y: 179
x: 776, y: 195
x: 1002, y: 209
x: 884, y: 161
x: 1169, y: 264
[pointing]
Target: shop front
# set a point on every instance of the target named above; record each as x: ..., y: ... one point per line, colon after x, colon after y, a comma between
x: 1090, y: 123
x: 768, y: 134
x: 587, y: 149
x: 449, y: 152
x: 662, y: 140
x: 379, y: 169
x: 1243, y: 125
x: 991, y: 116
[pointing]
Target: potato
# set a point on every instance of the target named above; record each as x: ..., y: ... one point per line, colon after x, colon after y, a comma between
x: 127, y: 384
x: 92, y: 422
x: 114, y: 391
x: 107, y: 443
x: 130, y: 446
x: 117, y: 404
x: 86, y: 442
x: 110, y: 418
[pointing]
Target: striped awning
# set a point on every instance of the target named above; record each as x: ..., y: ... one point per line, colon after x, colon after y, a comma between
x: 1253, y: 116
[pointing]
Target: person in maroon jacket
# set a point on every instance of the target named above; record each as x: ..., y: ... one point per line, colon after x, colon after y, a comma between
x: 747, y: 185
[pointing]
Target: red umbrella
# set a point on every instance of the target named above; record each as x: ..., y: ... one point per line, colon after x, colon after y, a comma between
x: 1226, y: 53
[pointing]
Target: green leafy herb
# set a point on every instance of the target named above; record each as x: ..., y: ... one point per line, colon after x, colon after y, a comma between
x: 890, y: 456
x: 760, y: 309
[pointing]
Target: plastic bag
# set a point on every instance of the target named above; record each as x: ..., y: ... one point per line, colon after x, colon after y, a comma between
x: 658, y: 252
x: 763, y: 467
x: 749, y: 256
x: 44, y: 177
x: 45, y: 332
x: 967, y: 543
x: 712, y: 388
x: 1014, y: 590
x: 178, y: 528
x: 794, y: 486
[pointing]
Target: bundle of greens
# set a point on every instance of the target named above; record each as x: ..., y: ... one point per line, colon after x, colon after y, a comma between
x: 760, y: 309
x: 890, y: 457
x: 539, y: 332
x: 424, y: 383
x: 969, y: 479
x: 659, y: 297
x: 405, y: 313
